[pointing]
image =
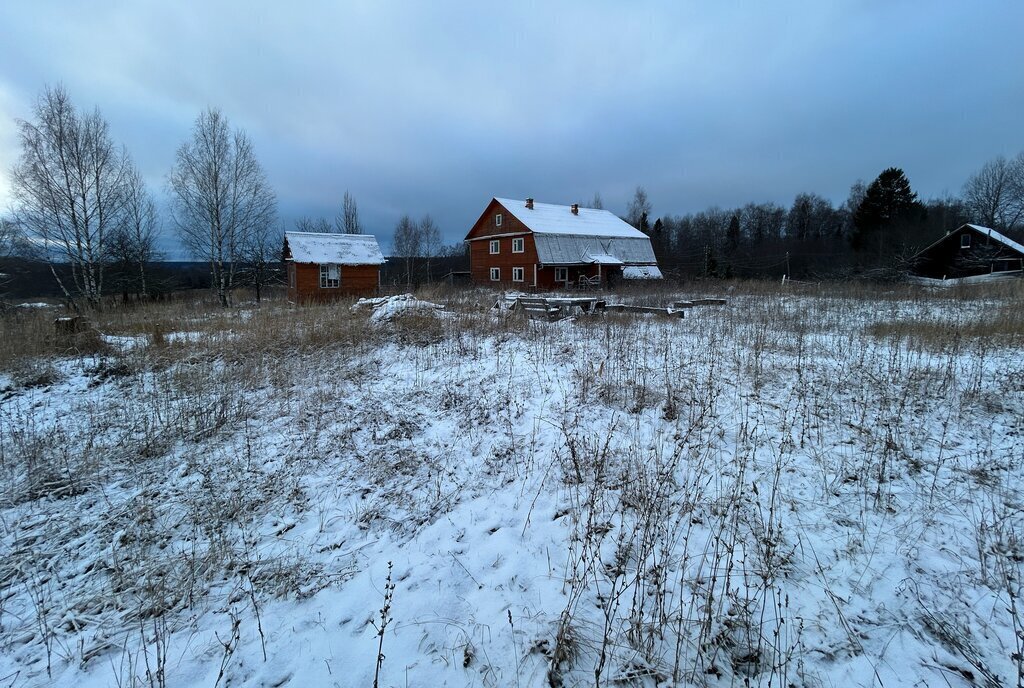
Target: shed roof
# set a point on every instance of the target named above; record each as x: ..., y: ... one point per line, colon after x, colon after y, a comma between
x: 1001, y: 238
x: 986, y: 231
x: 341, y: 249
x: 547, y: 218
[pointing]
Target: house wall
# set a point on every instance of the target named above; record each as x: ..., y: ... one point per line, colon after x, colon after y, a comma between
x: 481, y: 260
x: 947, y: 259
x: 546, y: 276
x: 356, y: 280
x: 485, y: 225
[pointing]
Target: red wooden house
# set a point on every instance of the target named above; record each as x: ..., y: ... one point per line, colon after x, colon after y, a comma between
x: 322, y: 267
x: 522, y: 244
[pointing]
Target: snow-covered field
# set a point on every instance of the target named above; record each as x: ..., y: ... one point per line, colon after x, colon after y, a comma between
x: 806, y: 489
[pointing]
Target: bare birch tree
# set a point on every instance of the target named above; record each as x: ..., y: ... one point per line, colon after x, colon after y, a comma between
x: 406, y: 244
x: 261, y: 253
x: 639, y: 210
x: 429, y: 241
x: 220, y: 197
x: 348, y: 221
x: 9, y: 236
x: 69, y: 189
x: 313, y: 224
x: 9, y: 240
x: 134, y: 245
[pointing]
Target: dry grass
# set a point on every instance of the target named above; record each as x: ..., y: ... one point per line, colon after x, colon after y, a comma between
x: 674, y: 475
x: 999, y: 324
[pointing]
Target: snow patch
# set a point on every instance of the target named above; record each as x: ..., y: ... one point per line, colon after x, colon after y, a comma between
x: 641, y: 272
x: 390, y: 307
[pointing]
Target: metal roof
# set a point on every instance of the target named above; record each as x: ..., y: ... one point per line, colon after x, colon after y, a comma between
x: 561, y: 249
x: 547, y: 218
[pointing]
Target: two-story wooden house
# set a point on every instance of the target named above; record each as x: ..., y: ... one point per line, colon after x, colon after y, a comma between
x: 524, y: 244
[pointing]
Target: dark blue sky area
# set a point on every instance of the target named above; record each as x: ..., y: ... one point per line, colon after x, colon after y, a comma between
x: 435, y: 107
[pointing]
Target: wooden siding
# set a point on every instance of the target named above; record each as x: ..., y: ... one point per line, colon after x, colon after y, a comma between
x: 946, y: 259
x: 485, y: 225
x: 356, y: 280
x: 481, y: 260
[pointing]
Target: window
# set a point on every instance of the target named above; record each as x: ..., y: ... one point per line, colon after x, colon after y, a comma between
x: 330, y: 276
x: 965, y: 241
x: 497, y: 220
x: 518, y: 246
x: 291, y: 275
x: 495, y: 246
x: 517, y: 274
x: 561, y: 274
x: 495, y: 274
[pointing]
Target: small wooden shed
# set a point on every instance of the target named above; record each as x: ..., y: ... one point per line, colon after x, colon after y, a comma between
x: 323, y: 267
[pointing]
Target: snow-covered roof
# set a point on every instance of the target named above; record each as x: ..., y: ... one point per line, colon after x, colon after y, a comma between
x: 604, y: 259
x: 341, y: 249
x: 546, y: 218
x: 562, y: 249
x: 1001, y: 238
x: 641, y: 272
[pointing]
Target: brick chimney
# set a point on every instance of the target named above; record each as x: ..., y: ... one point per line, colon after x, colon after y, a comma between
x: 529, y: 204
x: 575, y: 208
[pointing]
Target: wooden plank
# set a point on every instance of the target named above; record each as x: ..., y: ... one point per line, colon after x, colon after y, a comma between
x: 538, y: 308
x: 625, y: 308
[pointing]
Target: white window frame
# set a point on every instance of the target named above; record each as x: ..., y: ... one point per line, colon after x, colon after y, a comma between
x: 564, y: 272
x: 495, y: 274
x: 495, y: 247
x: 497, y: 220
x: 965, y: 240
x: 521, y: 272
x: 521, y: 243
x: 326, y: 281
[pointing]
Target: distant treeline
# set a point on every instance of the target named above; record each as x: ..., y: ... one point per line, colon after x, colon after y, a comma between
x: 23, y: 278
x: 875, y: 233
x: 810, y: 239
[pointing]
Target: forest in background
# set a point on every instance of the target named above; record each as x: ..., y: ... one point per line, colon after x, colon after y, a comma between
x: 84, y: 221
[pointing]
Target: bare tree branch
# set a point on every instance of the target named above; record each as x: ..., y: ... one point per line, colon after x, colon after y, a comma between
x: 69, y: 187
x: 994, y: 195
x: 348, y: 221
x: 221, y: 197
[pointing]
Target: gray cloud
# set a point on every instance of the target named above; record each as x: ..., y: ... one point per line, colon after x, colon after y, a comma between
x: 433, y: 108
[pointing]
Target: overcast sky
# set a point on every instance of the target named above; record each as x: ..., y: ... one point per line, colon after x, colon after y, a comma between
x: 436, y: 107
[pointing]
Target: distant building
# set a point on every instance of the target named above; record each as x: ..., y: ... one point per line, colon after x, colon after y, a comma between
x: 523, y: 244
x: 970, y: 251
x: 322, y: 267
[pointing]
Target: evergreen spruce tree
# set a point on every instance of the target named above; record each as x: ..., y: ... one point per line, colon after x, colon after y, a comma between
x: 889, y: 208
x: 732, y: 235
